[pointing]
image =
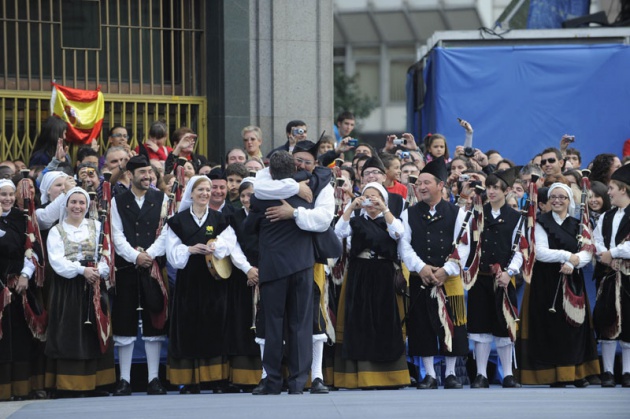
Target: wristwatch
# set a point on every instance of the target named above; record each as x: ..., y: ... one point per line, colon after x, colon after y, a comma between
x: 510, y: 272
x: 295, y: 213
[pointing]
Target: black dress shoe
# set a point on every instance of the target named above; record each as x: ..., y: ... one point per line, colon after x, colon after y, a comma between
x: 155, y: 387
x: 608, y: 379
x: 581, y: 383
x: 509, y: 381
x: 260, y: 387
x: 190, y: 389
x: 625, y: 380
x: 318, y: 387
x: 480, y: 382
x: 123, y: 388
x: 264, y: 389
x: 558, y: 384
x: 594, y: 380
x: 428, y: 383
x: 295, y: 392
x: 452, y: 382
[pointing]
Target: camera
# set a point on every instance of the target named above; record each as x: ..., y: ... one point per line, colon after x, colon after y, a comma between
x: 464, y: 178
x: 399, y: 141
x: 298, y: 131
x: 405, y: 155
x: 252, y: 173
x: 569, y: 138
x: 340, y: 182
x: 366, y: 203
x: 475, y: 184
x: 469, y: 152
x: 412, y: 179
x: 353, y: 142
x: 339, y: 162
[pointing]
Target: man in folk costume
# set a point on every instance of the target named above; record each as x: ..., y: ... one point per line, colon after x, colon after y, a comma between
x: 612, y: 275
x: 436, y: 320
x: 317, y: 219
x: 135, y: 215
x: 492, y: 294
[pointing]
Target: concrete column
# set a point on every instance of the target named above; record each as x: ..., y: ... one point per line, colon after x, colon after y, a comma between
x: 291, y: 71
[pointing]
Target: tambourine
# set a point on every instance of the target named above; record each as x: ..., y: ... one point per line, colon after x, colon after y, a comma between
x: 219, y: 268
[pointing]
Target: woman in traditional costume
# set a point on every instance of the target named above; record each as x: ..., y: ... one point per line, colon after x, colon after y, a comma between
x: 557, y: 338
x: 198, y: 344
x: 371, y: 348
x: 80, y: 357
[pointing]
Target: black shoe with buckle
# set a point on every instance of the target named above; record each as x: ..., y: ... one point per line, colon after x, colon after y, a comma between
x: 608, y: 379
x: 452, y: 382
x: 190, y: 389
x: 480, y: 382
x: 123, y: 388
x: 509, y: 381
x: 318, y: 387
x: 625, y: 380
x: 428, y: 383
x: 155, y: 387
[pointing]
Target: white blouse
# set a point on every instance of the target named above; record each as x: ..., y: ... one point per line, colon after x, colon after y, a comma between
x: 56, y: 252
x: 545, y: 254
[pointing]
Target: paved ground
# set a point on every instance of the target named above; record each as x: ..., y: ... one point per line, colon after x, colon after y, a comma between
x: 530, y: 402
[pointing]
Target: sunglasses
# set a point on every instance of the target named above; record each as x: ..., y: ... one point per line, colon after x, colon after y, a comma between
x: 551, y: 161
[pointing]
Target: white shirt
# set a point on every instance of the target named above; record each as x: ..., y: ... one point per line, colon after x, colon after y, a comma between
x: 49, y: 215
x: 413, y: 261
x: 56, y: 251
x: 622, y: 251
x: 122, y: 246
x: 317, y: 219
x: 343, y: 229
x: 177, y: 253
x: 545, y: 254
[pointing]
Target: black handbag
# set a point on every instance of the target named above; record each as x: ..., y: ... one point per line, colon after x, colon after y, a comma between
x: 327, y: 245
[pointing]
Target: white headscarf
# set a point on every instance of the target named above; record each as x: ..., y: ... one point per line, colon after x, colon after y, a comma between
x: 379, y: 188
x: 47, y: 181
x: 568, y: 191
x: 7, y: 182
x: 72, y: 191
x: 187, y: 199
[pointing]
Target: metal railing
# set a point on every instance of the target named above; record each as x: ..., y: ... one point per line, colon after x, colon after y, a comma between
x: 22, y: 114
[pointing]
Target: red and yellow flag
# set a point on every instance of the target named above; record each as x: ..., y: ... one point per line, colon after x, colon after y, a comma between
x: 83, y: 110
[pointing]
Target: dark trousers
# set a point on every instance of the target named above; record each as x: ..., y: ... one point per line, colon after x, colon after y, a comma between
x: 289, y: 298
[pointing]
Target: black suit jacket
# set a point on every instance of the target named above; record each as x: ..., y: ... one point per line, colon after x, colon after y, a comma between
x: 284, y: 248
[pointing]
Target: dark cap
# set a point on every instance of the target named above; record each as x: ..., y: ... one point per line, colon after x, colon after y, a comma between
x: 137, y: 162
x: 373, y: 162
x: 509, y: 175
x: 306, y: 146
x: 437, y: 168
x: 217, y: 173
x: 622, y: 174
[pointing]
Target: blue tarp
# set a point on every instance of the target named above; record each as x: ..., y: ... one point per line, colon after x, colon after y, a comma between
x: 522, y: 99
x: 549, y: 14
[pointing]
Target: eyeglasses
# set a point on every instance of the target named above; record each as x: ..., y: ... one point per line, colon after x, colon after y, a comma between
x: 551, y: 161
x: 304, y: 162
x: 559, y: 197
x: 249, y: 139
x: 118, y: 135
x: 372, y: 172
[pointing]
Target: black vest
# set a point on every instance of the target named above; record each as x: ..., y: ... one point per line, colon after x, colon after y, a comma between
x: 497, y: 237
x: 622, y: 233
x: 139, y: 224
x: 560, y: 236
x: 432, y: 235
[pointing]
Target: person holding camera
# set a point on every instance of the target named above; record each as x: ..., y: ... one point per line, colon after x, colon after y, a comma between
x: 370, y: 344
x: 296, y: 131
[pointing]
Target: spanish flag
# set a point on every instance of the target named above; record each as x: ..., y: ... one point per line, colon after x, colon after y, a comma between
x: 83, y: 110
